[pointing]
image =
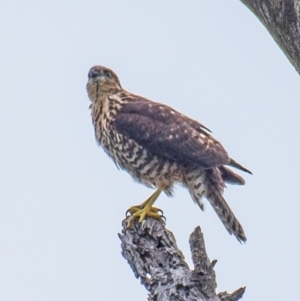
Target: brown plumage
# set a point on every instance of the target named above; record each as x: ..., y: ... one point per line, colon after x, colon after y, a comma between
x: 160, y: 147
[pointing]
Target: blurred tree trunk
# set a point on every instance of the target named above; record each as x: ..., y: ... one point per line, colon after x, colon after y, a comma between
x: 154, y: 257
x: 282, y: 20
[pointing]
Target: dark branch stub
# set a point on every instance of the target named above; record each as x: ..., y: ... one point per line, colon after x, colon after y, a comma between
x: 235, y: 296
x: 152, y: 253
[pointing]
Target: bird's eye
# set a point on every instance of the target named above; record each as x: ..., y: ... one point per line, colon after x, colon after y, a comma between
x: 107, y: 74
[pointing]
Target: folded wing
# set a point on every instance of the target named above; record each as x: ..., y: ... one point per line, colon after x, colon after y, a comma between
x: 169, y: 134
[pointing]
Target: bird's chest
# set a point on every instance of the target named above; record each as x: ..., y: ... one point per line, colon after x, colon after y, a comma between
x: 127, y: 154
x: 103, y: 113
x: 119, y: 147
x: 140, y: 163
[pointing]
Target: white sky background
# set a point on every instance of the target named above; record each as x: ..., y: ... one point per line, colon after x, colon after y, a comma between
x: 62, y: 199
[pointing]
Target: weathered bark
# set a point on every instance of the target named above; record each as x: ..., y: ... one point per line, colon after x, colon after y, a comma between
x: 282, y: 20
x: 154, y: 257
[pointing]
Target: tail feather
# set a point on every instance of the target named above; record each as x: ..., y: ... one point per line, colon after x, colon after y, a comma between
x: 210, y: 183
x: 226, y: 215
x: 238, y: 166
x: 231, y: 177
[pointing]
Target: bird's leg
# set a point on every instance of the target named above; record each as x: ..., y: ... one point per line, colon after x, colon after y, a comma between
x: 146, y: 209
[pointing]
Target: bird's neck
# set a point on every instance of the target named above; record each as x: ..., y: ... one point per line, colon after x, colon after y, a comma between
x: 106, y: 106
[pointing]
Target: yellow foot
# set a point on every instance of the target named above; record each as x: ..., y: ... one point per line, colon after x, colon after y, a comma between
x: 141, y: 213
x: 146, y: 209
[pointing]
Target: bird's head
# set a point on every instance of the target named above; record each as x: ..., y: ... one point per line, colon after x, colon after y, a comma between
x: 102, y: 80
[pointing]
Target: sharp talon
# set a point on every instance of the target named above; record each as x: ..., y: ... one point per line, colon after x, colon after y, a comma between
x: 129, y: 223
x: 160, y: 212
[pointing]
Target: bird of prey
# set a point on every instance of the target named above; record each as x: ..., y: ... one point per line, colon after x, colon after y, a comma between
x: 160, y: 147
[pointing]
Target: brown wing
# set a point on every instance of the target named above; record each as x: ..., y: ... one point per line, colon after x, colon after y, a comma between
x: 169, y: 134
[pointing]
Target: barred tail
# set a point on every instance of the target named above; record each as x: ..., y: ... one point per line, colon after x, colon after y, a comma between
x: 225, y: 214
x: 210, y: 183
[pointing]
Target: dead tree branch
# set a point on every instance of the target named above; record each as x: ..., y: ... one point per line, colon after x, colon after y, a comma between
x: 152, y: 253
x: 282, y: 20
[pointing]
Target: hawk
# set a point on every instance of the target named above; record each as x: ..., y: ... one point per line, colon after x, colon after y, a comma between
x: 160, y: 147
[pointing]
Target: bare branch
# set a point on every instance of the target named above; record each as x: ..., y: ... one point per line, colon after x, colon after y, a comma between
x: 282, y: 20
x: 152, y: 253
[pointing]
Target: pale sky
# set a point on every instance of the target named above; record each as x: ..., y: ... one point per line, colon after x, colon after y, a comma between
x: 63, y: 199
